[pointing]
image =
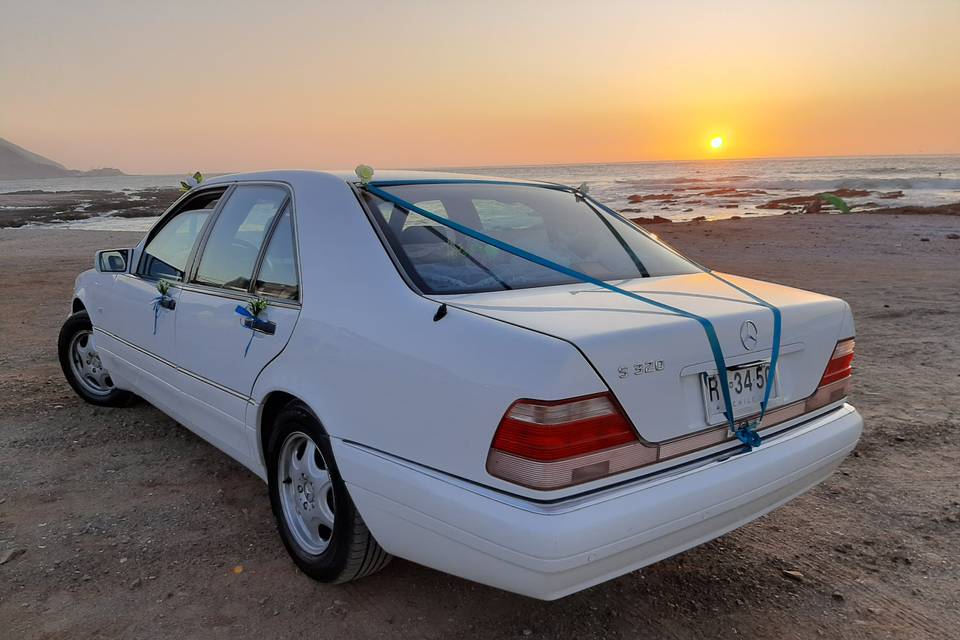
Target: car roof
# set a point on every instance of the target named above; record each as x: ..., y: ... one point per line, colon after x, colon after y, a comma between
x: 347, y: 175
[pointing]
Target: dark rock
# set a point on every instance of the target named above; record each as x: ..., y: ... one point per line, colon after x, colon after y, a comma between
x: 11, y: 554
x: 653, y: 220
x: 634, y: 199
x: 849, y: 193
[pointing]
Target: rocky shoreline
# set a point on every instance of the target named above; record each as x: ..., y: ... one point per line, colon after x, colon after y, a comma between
x: 21, y: 208
x: 799, y: 204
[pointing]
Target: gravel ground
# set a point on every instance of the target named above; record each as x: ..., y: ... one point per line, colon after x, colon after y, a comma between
x: 121, y: 523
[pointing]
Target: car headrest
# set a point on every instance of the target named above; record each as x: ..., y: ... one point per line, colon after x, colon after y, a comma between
x: 423, y: 234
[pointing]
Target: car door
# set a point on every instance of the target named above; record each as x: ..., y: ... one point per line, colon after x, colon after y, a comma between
x: 137, y: 333
x: 248, y: 253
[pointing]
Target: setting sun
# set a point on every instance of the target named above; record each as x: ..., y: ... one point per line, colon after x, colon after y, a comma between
x: 716, y: 142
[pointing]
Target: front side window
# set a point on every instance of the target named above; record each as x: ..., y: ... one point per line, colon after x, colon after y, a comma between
x: 231, y: 251
x: 167, y: 252
x: 546, y: 222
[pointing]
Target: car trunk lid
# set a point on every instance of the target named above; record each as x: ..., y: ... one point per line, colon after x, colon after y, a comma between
x: 654, y: 361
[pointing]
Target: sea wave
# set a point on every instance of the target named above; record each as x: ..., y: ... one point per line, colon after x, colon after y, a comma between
x: 808, y: 184
x: 860, y: 182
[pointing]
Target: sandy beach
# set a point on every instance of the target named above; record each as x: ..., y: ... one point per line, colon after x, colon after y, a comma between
x: 124, y: 524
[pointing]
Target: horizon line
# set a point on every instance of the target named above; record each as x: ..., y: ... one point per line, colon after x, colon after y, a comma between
x: 587, y: 164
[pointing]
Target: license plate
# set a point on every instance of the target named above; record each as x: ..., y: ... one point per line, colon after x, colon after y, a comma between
x: 747, y: 386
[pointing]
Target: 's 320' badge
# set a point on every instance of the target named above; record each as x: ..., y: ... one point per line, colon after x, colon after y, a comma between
x: 640, y: 368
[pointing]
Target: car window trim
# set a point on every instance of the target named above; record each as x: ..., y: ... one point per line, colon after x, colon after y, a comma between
x: 208, y: 231
x: 287, y: 208
x: 400, y: 263
x: 267, y: 239
x: 237, y: 294
x: 176, y: 209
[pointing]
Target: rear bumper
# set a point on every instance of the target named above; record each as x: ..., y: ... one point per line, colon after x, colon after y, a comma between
x: 549, y: 551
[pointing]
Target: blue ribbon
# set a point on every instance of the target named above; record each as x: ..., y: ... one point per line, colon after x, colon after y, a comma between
x: 246, y: 313
x: 747, y: 434
x: 156, y: 312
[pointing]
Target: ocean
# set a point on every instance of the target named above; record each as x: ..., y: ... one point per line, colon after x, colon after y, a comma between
x: 679, y: 191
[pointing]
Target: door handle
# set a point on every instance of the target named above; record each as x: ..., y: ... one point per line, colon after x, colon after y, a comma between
x: 168, y: 303
x: 263, y: 326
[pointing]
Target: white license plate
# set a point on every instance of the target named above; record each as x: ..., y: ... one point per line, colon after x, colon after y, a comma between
x: 747, y: 384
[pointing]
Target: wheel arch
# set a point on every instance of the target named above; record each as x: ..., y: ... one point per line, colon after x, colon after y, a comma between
x: 270, y: 407
x: 77, y: 305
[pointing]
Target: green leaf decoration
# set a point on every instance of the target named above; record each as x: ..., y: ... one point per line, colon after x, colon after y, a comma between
x: 184, y: 187
x: 163, y: 287
x: 836, y: 201
x: 257, y: 306
x: 198, y: 177
x: 364, y: 172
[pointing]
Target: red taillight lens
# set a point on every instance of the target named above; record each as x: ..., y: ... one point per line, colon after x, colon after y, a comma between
x: 553, y: 444
x: 540, y: 430
x: 840, y: 365
x: 836, y: 381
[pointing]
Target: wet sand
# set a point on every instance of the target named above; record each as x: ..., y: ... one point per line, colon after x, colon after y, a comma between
x: 130, y: 526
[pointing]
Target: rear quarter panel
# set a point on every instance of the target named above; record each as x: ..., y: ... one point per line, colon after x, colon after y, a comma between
x: 376, y: 369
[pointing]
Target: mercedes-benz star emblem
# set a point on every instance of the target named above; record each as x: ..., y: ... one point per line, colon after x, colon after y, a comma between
x: 748, y: 335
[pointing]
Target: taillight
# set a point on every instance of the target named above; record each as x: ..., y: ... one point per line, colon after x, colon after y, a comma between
x: 553, y: 444
x: 836, y: 381
x: 840, y: 365
x: 553, y: 430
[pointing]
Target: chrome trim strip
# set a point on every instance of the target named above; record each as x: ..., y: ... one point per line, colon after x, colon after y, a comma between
x: 235, y: 294
x: 186, y: 372
x: 232, y: 294
x: 597, y: 494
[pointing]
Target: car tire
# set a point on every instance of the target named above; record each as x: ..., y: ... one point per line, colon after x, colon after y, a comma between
x: 320, y: 526
x: 82, y: 367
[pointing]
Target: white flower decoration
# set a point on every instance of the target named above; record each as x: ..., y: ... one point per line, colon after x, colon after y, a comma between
x: 364, y: 172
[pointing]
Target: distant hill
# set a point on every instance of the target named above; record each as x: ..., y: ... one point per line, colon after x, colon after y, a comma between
x: 16, y: 163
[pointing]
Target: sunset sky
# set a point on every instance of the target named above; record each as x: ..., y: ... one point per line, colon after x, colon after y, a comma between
x: 168, y: 87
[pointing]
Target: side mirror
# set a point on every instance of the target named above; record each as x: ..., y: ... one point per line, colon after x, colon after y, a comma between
x: 112, y: 260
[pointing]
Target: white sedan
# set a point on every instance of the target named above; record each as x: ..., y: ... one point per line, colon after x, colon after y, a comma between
x: 502, y: 380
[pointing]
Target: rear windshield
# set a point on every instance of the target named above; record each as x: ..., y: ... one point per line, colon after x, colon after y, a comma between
x: 549, y: 223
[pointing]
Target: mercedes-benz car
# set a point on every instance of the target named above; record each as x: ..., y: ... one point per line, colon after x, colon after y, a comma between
x: 479, y: 375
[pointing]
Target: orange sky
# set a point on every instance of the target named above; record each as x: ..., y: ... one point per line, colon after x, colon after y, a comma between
x: 269, y: 85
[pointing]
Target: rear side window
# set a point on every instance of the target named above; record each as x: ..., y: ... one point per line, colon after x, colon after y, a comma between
x: 231, y: 251
x: 278, y: 271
